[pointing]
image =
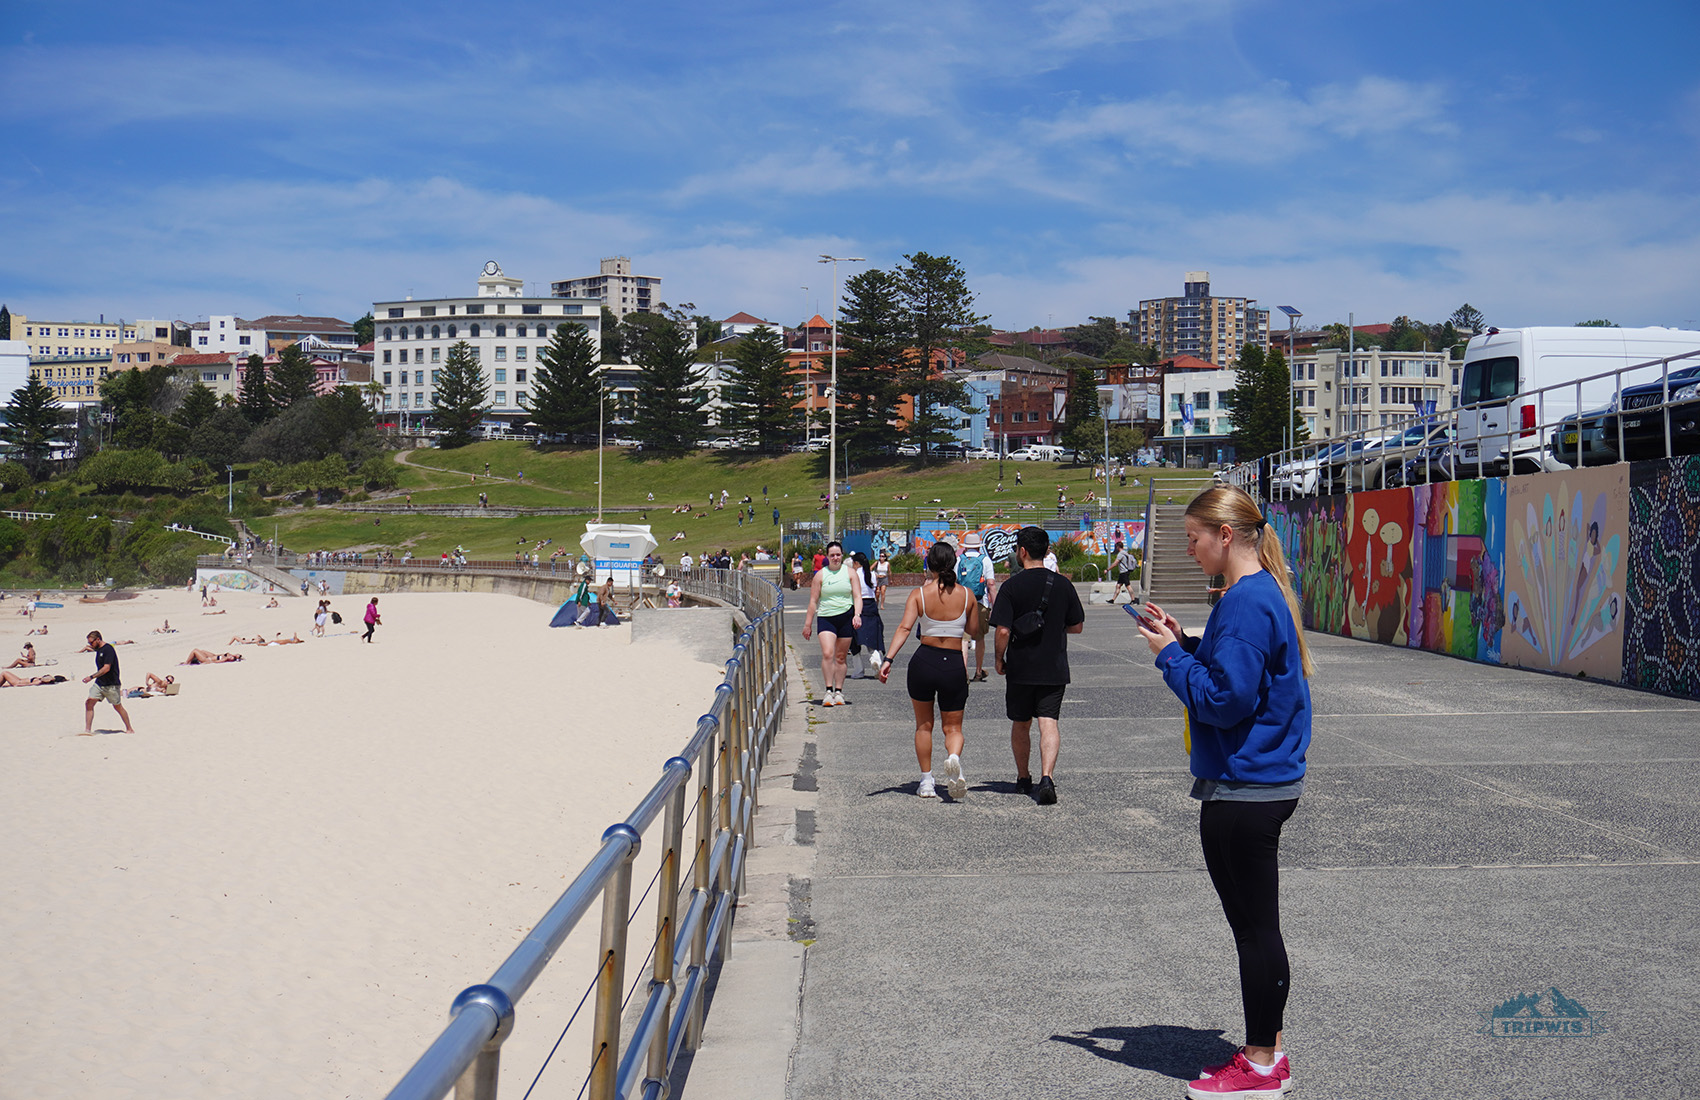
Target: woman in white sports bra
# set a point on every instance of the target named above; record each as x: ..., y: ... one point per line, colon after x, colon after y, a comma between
x: 939, y: 612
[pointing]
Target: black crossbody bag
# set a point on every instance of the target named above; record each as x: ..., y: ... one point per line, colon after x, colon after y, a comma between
x: 1034, y: 621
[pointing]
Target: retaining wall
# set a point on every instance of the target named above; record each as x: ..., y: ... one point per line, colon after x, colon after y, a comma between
x: 1592, y: 572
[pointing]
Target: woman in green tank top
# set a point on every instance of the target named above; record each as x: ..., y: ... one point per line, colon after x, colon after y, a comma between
x: 835, y: 596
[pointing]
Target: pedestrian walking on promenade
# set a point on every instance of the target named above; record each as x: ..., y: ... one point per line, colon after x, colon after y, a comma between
x: 870, y: 635
x: 836, y: 596
x: 979, y: 574
x: 1035, y: 612
x: 1123, y: 567
x: 1247, y: 697
x: 939, y: 612
x: 372, y: 620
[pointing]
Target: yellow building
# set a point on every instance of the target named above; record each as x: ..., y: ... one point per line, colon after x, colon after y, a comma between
x: 71, y: 339
x: 73, y: 381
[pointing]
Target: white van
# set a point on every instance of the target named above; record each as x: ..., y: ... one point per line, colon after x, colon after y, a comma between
x: 1038, y: 452
x: 1503, y: 365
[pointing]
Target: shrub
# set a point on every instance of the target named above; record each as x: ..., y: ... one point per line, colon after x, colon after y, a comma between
x: 907, y: 563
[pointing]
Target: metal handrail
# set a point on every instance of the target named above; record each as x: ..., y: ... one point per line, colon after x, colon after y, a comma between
x: 1352, y: 467
x: 720, y: 768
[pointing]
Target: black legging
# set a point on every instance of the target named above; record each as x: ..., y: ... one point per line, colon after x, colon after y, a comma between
x: 1240, y: 840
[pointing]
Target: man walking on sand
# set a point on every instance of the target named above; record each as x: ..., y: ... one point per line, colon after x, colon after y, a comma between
x: 1035, y: 612
x: 106, y: 684
x: 372, y: 620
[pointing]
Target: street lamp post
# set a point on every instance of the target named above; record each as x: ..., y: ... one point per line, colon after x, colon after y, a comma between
x: 1105, y: 400
x: 601, y: 392
x: 1293, y: 316
x: 230, y: 490
x: 832, y: 403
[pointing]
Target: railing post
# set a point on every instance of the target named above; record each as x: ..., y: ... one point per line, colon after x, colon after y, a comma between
x: 666, y: 918
x: 706, y: 828
x: 611, y: 979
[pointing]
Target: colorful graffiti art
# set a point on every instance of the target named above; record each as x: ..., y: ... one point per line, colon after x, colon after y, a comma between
x: 1564, y: 571
x: 998, y: 538
x: 239, y: 581
x: 1104, y: 536
x: 1378, y: 554
x: 1457, y: 569
x: 1312, y: 532
x: 1661, y: 643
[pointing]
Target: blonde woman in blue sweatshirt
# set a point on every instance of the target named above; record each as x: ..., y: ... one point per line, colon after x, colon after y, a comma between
x: 1247, y: 699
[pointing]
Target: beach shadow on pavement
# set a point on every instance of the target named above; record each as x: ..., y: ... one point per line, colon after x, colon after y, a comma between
x: 1173, y: 1051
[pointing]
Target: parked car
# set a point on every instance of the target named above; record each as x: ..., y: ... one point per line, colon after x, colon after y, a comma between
x: 1643, y: 417
x: 982, y: 453
x: 909, y: 450
x: 1317, y: 473
x: 1384, y: 463
x: 1581, y: 440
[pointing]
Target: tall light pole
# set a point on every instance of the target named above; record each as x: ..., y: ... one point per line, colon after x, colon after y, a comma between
x: 1106, y: 399
x: 808, y: 374
x: 230, y: 490
x: 601, y: 392
x: 832, y: 403
x: 1293, y: 316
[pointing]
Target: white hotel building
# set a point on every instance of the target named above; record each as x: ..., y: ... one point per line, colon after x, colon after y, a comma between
x: 506, y: 331
x: 1337, y: 392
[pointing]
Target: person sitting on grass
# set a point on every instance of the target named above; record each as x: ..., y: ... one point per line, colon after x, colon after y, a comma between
x: 208, y: 657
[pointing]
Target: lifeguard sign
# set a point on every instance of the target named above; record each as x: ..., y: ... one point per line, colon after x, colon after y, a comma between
x: 618, y: 549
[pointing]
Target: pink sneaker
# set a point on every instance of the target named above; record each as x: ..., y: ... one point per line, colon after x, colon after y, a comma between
x: 1237, y: 1078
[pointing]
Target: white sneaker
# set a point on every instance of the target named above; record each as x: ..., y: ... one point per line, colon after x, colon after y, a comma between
x: 837, y: 697
x: 954, y: 781
x: 926, y: 789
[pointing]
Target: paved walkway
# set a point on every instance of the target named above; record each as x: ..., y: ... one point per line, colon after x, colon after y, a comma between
x: 1470, y: 833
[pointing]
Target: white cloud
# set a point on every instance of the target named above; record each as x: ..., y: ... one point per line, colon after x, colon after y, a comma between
x: 1270, y: 125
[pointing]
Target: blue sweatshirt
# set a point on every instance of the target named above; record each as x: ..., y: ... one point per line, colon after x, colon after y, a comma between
x: 1244, y: 689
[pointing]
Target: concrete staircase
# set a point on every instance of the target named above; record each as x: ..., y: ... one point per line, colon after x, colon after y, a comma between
x: 1172, y: 578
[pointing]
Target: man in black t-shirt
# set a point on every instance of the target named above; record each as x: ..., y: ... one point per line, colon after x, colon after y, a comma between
x: 106, y: 684
x: 1034, y: 662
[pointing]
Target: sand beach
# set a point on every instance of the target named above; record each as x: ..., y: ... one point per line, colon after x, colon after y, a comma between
x: 278, y: 883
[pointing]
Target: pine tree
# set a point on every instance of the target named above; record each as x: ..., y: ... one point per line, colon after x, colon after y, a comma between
x: 760, y: 405
x: 1262, y: 393
x: 5, y: 322
x: 34, y: 421
x: 564, y: 397
x: 293, y: 378
x: 256, y: 400
x: 940, y: 305
x: 198, y: 404
x: 1083, y: 427
x: 873, y: 333
x: 669, y: 417
x: 613, y: 338
x: 460, y: 400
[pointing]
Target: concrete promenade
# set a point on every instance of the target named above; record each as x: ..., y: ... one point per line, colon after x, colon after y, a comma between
x: 1469, y: 833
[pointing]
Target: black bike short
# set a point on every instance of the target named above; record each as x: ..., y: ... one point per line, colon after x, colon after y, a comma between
x: 838, y: 624
x: 934, y: 671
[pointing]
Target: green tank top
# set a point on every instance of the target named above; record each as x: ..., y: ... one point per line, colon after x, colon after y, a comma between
x: 835, y: 592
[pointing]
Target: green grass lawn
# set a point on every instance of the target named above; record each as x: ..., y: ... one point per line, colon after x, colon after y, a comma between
x: 559, y: 477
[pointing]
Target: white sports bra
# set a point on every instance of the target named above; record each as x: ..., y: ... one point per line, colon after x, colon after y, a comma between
x: 930, y: 627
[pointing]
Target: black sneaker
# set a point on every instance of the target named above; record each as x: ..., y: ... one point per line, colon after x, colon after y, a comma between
x: 1024, y: 784
x: 1047, y: 795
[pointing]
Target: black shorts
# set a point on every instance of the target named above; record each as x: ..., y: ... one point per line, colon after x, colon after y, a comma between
x: 941, y: 672
x: 1124, y: 577
x: 838, y: 624
x: 1025, y: 702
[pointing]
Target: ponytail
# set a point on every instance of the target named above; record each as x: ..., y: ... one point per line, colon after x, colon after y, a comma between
x: 1227, y: 505
x: 941, y: 560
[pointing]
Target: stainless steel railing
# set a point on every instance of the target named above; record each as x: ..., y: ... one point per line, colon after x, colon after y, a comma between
x: 714, y: 781
x: 1311, y: 469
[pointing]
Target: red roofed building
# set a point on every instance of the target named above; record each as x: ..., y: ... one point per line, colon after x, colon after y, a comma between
x: 742, y: 324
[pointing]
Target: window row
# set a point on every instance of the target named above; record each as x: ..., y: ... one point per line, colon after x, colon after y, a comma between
x: 398, y: 312
x: 520, y: 355
x: 79, y: 334
x: 473, y: 332
x: 421, y: 399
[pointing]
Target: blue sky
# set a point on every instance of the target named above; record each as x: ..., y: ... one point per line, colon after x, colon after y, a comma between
x: 1539, y: 160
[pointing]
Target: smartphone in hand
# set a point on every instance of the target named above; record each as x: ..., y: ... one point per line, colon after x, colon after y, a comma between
x: 1139, y: 616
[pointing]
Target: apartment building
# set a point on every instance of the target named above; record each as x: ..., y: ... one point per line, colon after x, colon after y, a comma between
x: 1339, y: 392
x: 228, y: 333
x: 1209, y: 392
x: 72, y: 339
x: 614, y: 287
x: 75, y: 380
x: 507, y: 332
x: 1198, y: 323
x: 1029, y: 402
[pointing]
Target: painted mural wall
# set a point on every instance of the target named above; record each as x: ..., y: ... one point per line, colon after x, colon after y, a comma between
x: 1593, y: 572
